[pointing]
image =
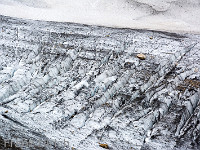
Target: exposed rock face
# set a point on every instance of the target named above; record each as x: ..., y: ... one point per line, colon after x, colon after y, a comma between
x: 71, y: 86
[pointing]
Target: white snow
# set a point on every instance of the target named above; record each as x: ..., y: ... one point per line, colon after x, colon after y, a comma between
x: 166, y: 15
x: 81, y: 84
x: 79, y: 120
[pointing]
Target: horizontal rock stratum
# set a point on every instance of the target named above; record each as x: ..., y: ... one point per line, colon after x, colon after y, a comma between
x: 73, y: 86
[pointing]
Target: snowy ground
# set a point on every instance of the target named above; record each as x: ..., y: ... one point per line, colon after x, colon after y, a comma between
x: 72, y: 86
x: 165, y: 15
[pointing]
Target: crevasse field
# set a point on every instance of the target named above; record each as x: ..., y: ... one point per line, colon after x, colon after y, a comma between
x: 70, y: 80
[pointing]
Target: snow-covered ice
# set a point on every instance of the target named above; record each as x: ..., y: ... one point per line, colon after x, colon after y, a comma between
x: 165, y: 15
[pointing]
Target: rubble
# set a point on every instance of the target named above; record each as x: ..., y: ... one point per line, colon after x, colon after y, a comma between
x: 141, y: 56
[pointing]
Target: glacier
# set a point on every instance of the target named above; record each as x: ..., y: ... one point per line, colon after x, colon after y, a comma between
x: 75, y: 86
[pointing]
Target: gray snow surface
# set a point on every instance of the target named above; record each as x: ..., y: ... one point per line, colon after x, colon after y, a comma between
x: 180, y: 16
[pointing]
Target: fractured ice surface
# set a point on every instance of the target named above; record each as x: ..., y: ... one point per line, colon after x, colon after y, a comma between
x: 85, y: 85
